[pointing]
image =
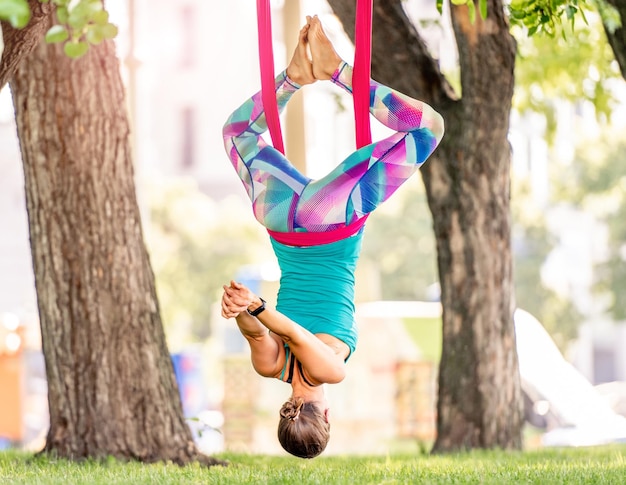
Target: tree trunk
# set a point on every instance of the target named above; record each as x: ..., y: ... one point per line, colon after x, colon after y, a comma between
x: 18, y: 43
x: 467, y: 185
x: 617, y: 37
x: 479, y: 390
x: 112, y: 390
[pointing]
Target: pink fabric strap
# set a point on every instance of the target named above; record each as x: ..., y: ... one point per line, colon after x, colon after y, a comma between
x: 266, y: 60
x: 362, y: 72
x: 360, y: 81
x: 317, y: 238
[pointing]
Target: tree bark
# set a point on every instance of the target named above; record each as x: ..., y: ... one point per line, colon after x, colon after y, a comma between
x: 18, y: 43
x: 617, y: 37
x: 467, y: 184
x: 112, y: 390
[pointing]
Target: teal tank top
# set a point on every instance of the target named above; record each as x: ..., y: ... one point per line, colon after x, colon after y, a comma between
x: 317, y: 286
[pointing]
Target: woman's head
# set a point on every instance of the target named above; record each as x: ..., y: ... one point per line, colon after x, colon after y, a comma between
x: 303, y: 429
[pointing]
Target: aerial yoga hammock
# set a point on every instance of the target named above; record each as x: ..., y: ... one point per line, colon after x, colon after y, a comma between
x: 316, y: 226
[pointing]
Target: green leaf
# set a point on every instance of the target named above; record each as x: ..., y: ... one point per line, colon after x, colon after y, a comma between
x: 62, y: 15
x: 76, y: 49
x: 94, y: 34
x: 582, y: 13
x: 109, y: 31
x: 57, y: 33
x: 471, y: 10
x: 85, y: 10
x: 80, y: 15
x: 570, y: 11
x: 77, y: 22
x: 93, y: 6
x: 517, y: 14
x: 440, y: 6
x: 482, y: 5
x: 101, y: 17
x: 459, y: 2
x: 16, y: 12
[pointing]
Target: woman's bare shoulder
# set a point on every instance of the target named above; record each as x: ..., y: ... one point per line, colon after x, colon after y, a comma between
x: 340, y: 348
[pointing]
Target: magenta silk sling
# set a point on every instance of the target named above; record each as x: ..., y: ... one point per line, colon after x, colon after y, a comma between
x: 360, y: 81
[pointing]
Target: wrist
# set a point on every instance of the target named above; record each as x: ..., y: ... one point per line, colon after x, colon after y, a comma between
x: 255, y: 303
x: 256, y: 306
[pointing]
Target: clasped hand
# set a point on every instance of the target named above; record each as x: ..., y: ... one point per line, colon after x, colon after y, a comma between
x: 236, y: 299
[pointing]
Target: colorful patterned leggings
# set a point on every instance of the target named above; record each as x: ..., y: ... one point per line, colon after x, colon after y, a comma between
x: 284, y: 200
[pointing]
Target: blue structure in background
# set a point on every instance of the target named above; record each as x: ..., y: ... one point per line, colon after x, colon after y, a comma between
x: 188, y: 371
x: 188, y: 364
x: 234, y: 343
x: 251, y: 277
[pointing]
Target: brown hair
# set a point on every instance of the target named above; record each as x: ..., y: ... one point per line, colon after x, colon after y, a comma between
x: 303, y: 429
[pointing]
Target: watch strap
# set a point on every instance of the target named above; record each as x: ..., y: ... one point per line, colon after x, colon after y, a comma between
x: 258, y: 310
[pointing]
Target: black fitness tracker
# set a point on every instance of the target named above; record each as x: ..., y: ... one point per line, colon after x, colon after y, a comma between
x: 255, y: 312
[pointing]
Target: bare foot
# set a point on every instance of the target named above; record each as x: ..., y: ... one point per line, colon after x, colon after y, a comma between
x: 325, y: 58
x: 300, y: 68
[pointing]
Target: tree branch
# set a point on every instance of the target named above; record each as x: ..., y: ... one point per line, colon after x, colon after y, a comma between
x: 18, y: 43
x: 411, y: 68
x: 617, y: 38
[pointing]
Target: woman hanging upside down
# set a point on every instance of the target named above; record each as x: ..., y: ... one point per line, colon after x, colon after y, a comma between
x: 315, y: 229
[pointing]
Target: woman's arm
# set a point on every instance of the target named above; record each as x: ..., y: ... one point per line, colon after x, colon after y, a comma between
x: 267, y: 350
x: 322, y: 363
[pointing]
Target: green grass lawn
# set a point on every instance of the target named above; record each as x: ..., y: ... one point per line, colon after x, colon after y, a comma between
x: 604, y: 465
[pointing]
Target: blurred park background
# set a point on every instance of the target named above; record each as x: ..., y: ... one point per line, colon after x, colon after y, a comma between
x: 185, y: 76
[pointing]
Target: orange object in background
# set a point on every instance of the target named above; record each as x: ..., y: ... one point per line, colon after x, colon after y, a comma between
x: 24, y: 414
x: 11, y: 370
x: 11, y: 379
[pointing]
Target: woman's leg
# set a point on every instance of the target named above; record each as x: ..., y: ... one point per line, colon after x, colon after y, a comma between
x: 370, y: 175
x: 271, y: 181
